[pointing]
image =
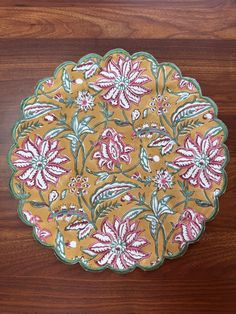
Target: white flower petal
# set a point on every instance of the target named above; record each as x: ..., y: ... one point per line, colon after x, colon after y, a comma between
x: 204, y: 180
x: 25, y: 154
x: 49, y: 177
x: 40, y: 182
x: 123, y: 101
x: 104, y: 260
x: 56, y: 170
x: 28, y: 174
x: 29, y: 146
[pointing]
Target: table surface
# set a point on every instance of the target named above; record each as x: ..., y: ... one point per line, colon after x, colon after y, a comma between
x: 35, y: 37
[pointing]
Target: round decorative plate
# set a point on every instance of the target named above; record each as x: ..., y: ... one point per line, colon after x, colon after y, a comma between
x: 118, y: 161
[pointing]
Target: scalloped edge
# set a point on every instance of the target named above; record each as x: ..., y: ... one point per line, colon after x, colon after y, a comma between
x: 21, y: 201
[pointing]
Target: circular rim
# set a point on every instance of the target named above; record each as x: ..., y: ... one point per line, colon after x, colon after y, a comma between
x: 21, y: 200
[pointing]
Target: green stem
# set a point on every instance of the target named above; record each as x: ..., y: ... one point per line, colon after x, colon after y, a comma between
x: 91, y: 210
x: 207, y: 197
x: 49, y: 207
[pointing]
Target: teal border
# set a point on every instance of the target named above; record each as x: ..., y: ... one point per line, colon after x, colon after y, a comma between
x: 100, y: 58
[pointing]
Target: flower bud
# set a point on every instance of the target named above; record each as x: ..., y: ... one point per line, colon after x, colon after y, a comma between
x: 53, y: 196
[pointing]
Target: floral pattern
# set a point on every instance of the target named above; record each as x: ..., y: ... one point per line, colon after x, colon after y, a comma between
x: 85, y: 101
x: 119, y: 245
x: 79, y: 185
x: 163, y: 180
x: 190, y: 226
x: 123, y: 82
x: 118, y: 162
x: 203, y: 160
x: 40, y: 163
x: 113, y: 150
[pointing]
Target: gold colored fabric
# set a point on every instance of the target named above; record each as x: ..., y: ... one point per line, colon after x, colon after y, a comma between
x: 118, y: 161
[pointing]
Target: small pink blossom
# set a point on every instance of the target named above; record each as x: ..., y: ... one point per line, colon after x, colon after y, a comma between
x: 159, y: 104
x: 39, y: 162
x: 119, y: 245
x: 203, y: 159
x: 49, y: 82
x: 182, y: 82
x: 58, y: 96
x: 189, y: 227
x: 123, y: 82
x: 136, y: 176
x: 113, y: 150
x: 128, y: 197
x: 31, y: 218
x: 50, y: 118
x: 163, y: 180
x: 42, y: 234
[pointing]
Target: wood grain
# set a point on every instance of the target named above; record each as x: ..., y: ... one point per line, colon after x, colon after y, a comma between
x: 135, y: 21
x: 33, y: 42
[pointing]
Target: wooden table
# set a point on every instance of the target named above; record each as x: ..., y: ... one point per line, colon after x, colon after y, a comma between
x: 35, y: 37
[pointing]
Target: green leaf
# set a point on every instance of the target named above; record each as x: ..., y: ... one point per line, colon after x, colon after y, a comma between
x: 66, y: 83
x: 161, y: 80
x: 27, y: 128
x: 63, y: 194
x: 60, y: 245
x: 145, y: 113
x: 153, y: 224
x: 38, y: 204
x: 165, y: 210
x: 154, y: 202
x: 81, y: 126
x: 214, y: 131
x: 133, y: 213
x: 121, y: 123
x: 73, y: 142
x: 202, y: 203
x: 102, y: 176
x: 144, y: 159
x: 32, y: 111
x: 54, y: 132
x: 105, y: 209
x: 185, y: 127
x: 189, y: 110
x: 111, y: 191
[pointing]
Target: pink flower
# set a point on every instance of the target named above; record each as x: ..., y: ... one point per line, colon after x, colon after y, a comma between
x: 203, y: 160
x: 159, y: 104
x: 123, y: 82
x: 58, y: 97
x: 50, y: 118
x: 40, y: 162
x: 183, y: 83
x: 163, y: 180
x: 31, y: 218
x: 119, y: 244
x: 112, y: 149
x: 49, y: 82
x: 128, y: 197
x: 190, y: 225
x: 42, y: 234
x: 136, y: 176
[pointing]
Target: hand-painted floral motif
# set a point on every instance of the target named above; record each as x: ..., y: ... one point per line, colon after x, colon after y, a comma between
x: 203, y: 160
x: 190, y: 226
x: 123, y: 82
x: 163, y: 180
x: 85, y: 101
x: 159, y: 104
x: 79, y: 185
x: 40, y: 162
x: 113, y: 150
x: 119, y: 245
x: 118, y: 161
